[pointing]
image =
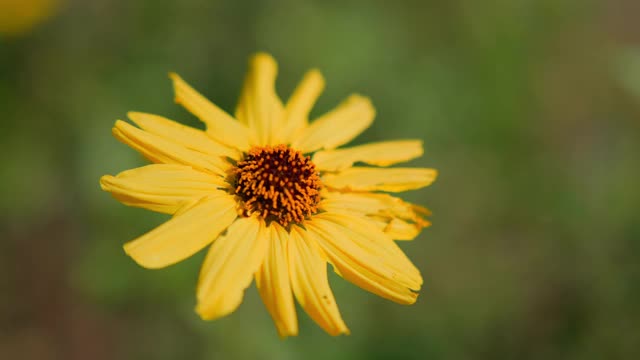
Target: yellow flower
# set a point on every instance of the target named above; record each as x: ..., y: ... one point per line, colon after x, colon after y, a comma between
x: 246, y: 186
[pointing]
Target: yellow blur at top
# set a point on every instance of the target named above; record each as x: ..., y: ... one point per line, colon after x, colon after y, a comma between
x: 21, y: 16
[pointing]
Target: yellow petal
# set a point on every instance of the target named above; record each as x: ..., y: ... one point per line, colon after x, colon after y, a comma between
x: 273, y: 282
x: 186, y: 136
x: 366, y: 257
x: 379, y: 154
x: 338, y: 126
x: 372, y: 179
x: 396, y: 229
x: 161, y: 187
x: 220, y: 125
x: 399, y: 229
x: 300, y: 104
x: 377, y: 243
x: 366, y: 203
x: 229, y: 266
x: 372, y: 203
x: 398, y: 219
x: 160, y: 150
x: 310, y: 284
x: 259, y: 107
x: 185, y: 234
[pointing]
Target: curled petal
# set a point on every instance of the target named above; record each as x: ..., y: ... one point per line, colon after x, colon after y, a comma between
x: 398, y: 219
x: 365, y: 256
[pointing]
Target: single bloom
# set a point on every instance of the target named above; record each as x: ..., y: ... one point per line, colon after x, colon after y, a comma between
x: 275, y: 199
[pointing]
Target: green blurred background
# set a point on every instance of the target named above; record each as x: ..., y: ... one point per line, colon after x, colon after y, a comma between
x: 529, y: 109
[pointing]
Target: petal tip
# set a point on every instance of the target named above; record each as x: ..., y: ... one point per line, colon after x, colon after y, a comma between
x: 176, y: 82
x: 120, y: 124
x: 315, y: 75
x: 105, y: 182
x: 121, y: 129
x: 263, y: 58
x: 287, y: 333
x: 146, y: 259
x: 341, y: 331
x: 365, y: 100
x: 412, y: 298
x: 420, y: 145
x: 203, y: 313
x: 132, y: 115
x: 364, y: 104
x: 434, y: 174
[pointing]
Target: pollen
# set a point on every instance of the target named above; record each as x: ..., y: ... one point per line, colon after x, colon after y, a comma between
x: 278, y: 183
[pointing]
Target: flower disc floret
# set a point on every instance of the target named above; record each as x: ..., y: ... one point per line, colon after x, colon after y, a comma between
x: 279, y: 183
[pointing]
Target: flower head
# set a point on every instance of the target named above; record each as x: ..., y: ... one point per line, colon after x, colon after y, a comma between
x: 275, y: 199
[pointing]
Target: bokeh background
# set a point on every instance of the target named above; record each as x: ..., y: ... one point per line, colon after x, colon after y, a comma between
x: 530, y: 110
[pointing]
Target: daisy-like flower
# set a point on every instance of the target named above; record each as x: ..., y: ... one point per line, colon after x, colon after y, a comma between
x: 275, y: 199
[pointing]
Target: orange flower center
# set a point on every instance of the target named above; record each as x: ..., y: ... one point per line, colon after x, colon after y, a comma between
x: 278, y: 183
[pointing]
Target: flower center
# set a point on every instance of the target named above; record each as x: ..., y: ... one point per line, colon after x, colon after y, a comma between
x: 278, y: 183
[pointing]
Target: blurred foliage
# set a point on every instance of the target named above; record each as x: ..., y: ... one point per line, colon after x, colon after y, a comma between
x: 529, y: 109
